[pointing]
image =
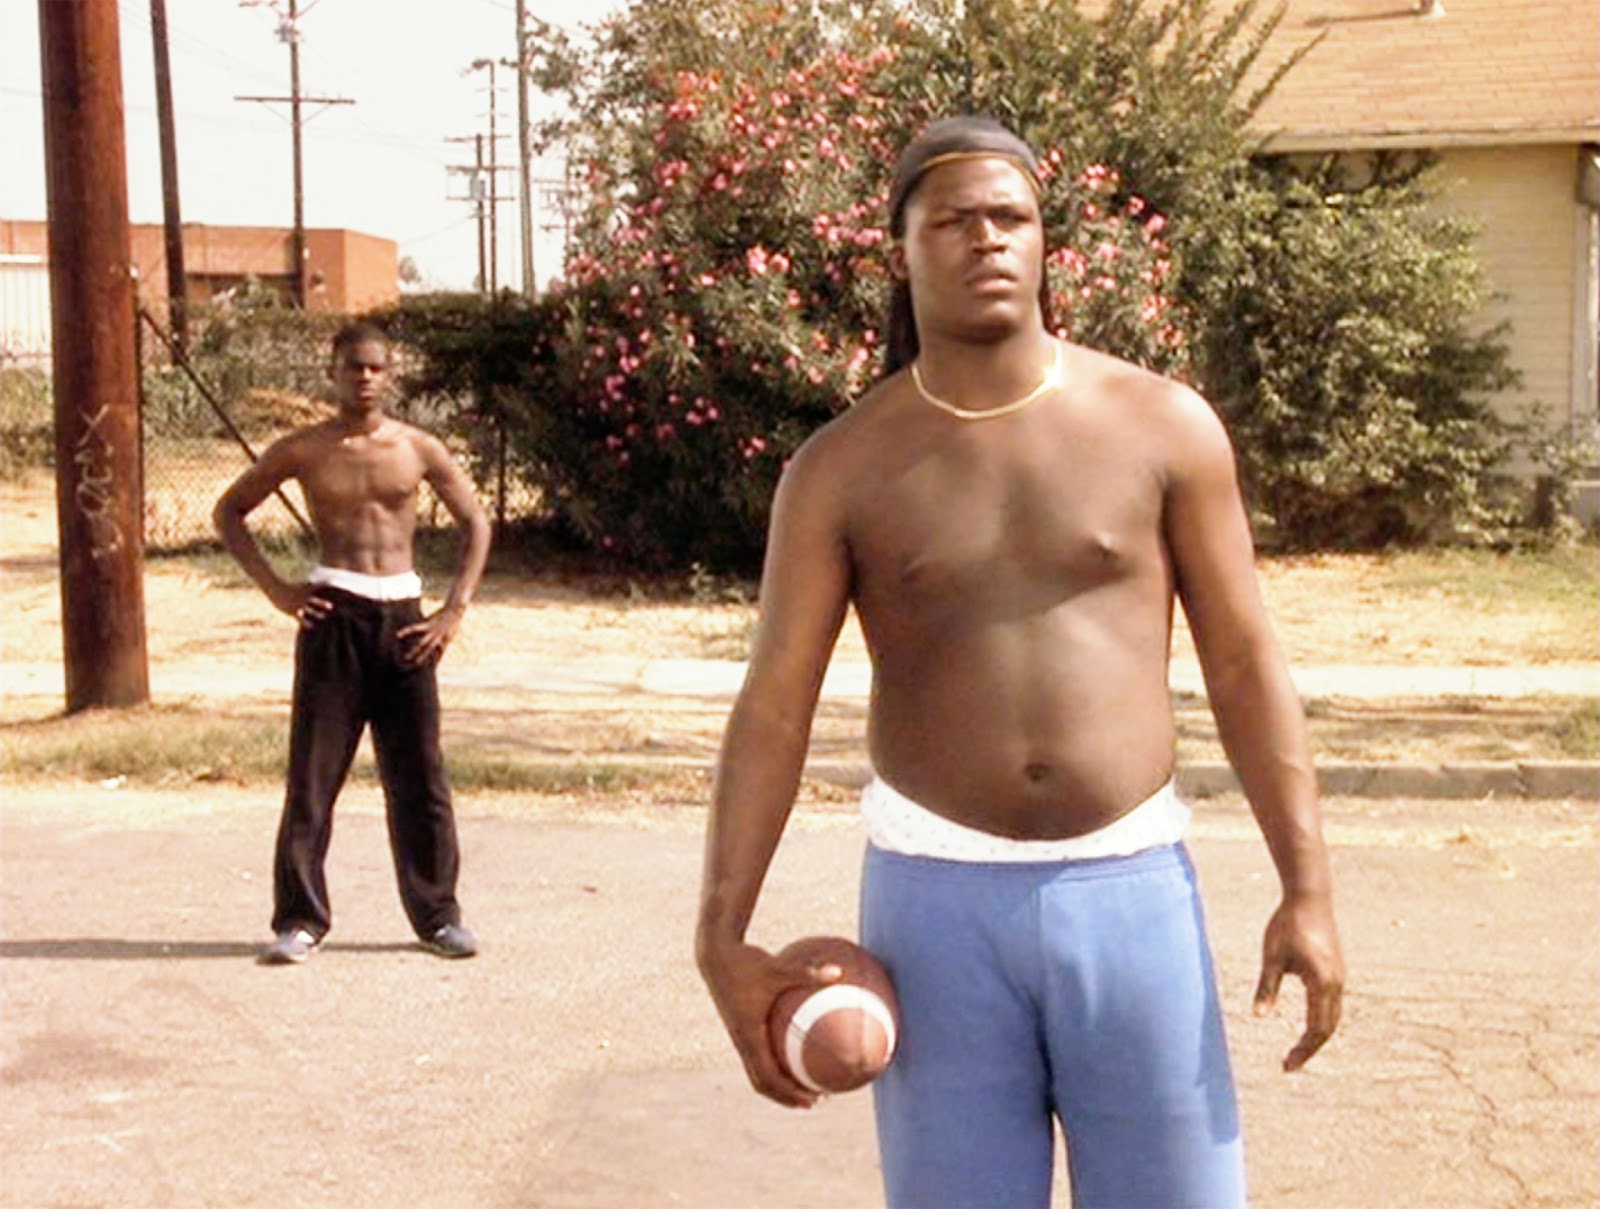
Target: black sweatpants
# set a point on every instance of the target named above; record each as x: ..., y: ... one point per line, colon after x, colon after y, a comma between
x: 347, y: 673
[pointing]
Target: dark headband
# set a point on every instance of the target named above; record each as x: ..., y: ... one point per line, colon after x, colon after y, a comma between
x: 954, y: 139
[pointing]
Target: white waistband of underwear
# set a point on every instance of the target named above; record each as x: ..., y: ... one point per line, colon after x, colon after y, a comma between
x: 897, y: 824
x: 407, y: 585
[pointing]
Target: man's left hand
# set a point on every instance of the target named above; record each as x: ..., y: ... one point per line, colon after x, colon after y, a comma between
x: 1301, y: 940
x: 425, y: 641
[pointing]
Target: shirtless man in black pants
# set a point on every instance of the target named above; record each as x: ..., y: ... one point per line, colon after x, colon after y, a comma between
x: 366, y: 653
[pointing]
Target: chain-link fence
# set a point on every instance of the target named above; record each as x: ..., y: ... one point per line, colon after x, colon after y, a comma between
x: 250, y: 374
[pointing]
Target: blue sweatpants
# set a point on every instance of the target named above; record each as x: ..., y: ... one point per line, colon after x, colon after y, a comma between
x: 1077, y: 991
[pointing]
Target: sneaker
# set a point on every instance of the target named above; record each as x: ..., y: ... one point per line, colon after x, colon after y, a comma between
x: 289, y: 948
x: 452, y: 940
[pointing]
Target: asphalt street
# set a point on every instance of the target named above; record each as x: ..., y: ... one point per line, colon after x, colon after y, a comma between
x: 146, y: 1060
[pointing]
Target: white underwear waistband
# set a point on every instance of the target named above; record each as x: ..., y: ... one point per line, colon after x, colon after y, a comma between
x: 407, y: 585
x: 897, y: 824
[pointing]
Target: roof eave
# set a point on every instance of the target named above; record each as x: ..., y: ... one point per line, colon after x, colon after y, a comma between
x: 1286, y: 142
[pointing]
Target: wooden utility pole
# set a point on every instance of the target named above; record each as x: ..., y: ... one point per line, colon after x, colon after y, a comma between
x: 483, y: 189
x: 172, y: 217
x: 494, y: 188
x: 490, y: 283
x: 289, y: 33
x: 98, y: 487
x: 297, y: 243
x: 530, y: 286
x: 481, y: 193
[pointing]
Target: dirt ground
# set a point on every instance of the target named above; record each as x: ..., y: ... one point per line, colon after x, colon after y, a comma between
x: 1327, y: 610
x: 214, y: 645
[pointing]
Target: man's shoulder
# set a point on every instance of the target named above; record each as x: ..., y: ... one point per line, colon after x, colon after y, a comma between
x: 306, y: 441
x: 419, y: 438
x: 1116, y: 378
x: 1136, y: 393
x: 864, y: 419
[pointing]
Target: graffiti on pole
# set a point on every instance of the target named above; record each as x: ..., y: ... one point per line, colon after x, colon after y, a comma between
x: 94, y: 488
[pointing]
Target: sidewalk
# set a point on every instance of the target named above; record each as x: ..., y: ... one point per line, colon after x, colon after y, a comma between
x: 851, y: 682
x: 848, y: 683
x: 847, y: 680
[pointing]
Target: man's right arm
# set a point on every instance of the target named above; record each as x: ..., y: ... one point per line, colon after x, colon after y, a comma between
x: 805, y: 590
x: 242, y: 497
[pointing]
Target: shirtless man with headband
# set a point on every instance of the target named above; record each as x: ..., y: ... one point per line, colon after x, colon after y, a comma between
x: 1013, y: 517
x: 365, y: 651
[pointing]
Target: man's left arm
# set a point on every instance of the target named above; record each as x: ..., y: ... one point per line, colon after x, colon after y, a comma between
x: 1259, y: 716
x: 428, y: 639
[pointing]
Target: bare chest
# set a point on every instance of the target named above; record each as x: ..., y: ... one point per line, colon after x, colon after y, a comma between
x: 382, y: 475
x: 1011, y: 526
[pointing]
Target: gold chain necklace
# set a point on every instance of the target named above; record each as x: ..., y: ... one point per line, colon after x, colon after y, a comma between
x: 1051, y: 378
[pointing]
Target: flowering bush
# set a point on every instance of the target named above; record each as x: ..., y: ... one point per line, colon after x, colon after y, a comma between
x: 722, y: 300
x: 1111, y: 275
x: 726, y: 292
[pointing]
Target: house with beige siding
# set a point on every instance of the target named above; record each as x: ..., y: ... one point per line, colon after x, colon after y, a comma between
x: 1507, y: 94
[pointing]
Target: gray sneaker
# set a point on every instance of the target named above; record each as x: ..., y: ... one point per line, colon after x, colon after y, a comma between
x: 289, y: 948
x: 452, y: 940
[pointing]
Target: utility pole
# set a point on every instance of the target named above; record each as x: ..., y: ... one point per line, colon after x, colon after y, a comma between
x: 172, y: 218
x: 530, y: 285
x: 477, y: 189
x: 493, y: 278
x: 98, y: 487
x: 494, y: 192
x: 481, y: 192
x: 289, y: 32
x: 485, y: 267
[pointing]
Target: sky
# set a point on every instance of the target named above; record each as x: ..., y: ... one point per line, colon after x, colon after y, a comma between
x: 380, y: 165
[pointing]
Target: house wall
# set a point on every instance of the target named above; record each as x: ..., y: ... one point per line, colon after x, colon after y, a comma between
x: 1536, y: 251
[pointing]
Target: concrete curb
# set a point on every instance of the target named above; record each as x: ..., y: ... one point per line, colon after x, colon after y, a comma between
x: 1543, y: 780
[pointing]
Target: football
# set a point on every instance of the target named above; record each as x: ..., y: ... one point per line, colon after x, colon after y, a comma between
x: 839, y: 1037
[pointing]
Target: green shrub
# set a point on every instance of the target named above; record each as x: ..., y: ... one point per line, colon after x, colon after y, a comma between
x: 1338, y: 349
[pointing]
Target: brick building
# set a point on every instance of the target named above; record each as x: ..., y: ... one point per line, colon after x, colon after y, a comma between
x: 346, y: 271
